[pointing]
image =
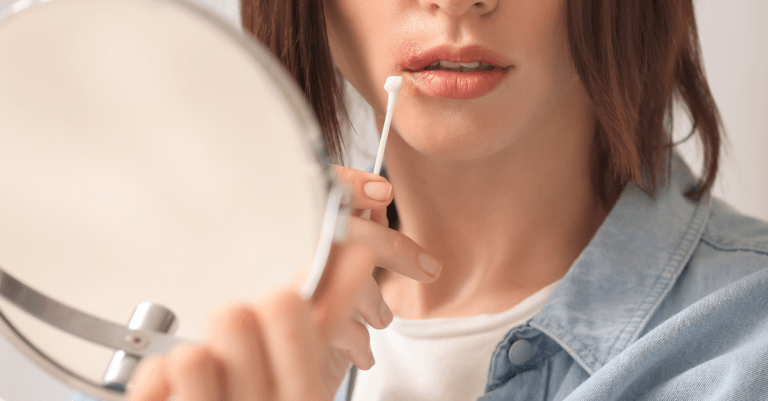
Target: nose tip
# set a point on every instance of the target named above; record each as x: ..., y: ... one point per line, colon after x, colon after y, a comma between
x: 460, y: 7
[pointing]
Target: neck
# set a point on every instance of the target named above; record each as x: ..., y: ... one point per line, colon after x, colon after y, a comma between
x: 503, y: 226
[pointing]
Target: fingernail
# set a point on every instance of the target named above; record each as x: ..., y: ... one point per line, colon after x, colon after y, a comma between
x: 378, y: 190
x: 385, y: 314
x: 430, y: 265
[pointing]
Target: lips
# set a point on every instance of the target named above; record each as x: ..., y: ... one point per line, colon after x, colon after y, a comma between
x: 452, y: 84
x: 412, y: 60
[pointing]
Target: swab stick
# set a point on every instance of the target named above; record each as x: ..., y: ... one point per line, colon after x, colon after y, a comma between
x: 392, y: 85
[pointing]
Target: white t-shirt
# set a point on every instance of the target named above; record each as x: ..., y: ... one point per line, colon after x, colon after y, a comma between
x: 439, y: 359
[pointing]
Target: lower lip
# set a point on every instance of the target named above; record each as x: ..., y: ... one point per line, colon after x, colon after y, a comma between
x: 458, y: 85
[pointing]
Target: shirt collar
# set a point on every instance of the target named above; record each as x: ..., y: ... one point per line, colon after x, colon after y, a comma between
x: 619, y: 280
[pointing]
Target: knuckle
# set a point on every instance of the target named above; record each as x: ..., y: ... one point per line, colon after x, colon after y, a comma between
x: 399, y: 243
x: 340, y: 170
x: 282, y: 302
x: 284, y: 298
x: 188, y: 359
x: 345, y: 175
x: 235, y: 317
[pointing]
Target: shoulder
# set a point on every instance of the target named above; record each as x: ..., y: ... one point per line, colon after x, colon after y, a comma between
x: 732, y: 249
x: 732, y: 246
x: 708, y: 339
x: 730, y: 231
x: 714, y: 349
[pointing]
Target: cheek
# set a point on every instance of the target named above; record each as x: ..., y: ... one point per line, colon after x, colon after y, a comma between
x: 538, y: 36
x: 354, y: 36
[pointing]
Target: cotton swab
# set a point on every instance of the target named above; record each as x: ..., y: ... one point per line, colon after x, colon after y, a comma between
x: 392, y: 86
x: 331, y: 229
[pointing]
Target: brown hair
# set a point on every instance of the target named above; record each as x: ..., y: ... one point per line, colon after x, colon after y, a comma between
x: 633, y: 56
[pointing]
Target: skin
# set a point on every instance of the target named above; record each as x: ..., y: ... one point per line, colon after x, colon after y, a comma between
x: 496, y: 188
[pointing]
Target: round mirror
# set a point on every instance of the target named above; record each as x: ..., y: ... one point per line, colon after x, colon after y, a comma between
x: 155, y: 163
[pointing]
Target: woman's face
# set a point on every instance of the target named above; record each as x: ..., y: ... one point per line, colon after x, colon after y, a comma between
x: 443, y: 113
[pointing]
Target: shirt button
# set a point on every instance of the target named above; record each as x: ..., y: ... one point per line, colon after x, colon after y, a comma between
x: 519, y: 352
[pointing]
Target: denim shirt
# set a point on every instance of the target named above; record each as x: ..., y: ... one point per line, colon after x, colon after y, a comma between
x: 668, y: 301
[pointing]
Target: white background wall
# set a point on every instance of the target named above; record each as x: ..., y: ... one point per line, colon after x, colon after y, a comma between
x: 734, y: 40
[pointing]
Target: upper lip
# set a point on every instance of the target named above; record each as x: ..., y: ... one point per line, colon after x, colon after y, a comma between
x: 417, y: 60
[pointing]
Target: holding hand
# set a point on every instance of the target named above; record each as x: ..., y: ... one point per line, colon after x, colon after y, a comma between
x: 392, y: 250
x: 271, y: 350
x: 285, y: 348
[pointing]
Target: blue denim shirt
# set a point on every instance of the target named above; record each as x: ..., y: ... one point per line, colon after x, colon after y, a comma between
x: 669, y: 301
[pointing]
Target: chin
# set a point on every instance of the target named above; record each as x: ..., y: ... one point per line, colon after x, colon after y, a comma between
x: 449, y: 145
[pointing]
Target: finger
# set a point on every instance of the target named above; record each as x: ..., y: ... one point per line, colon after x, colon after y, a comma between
x: 336, y: 366
x: 380, y: 216
x: 150, y: 382
x: 374, y: 215
x: 353, y: 337
x: 195, y: 373
x: 380, y: 192
x: 338, y: 289
x: 292, y: 345
x: 394, y: 251
x: 371, y: 305
x: 234, y: 338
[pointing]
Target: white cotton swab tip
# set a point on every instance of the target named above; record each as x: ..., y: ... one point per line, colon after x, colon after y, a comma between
x: 392, y: 86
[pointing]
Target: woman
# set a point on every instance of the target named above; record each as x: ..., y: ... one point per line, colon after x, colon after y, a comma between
x: 547, y: 243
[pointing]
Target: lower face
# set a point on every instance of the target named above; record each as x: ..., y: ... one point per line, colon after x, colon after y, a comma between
x: 368, y: 40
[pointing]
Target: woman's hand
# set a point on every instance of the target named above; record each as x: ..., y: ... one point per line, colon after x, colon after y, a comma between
x: 283, y: 348
x: 393, y: 251
x: 272, y: 350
